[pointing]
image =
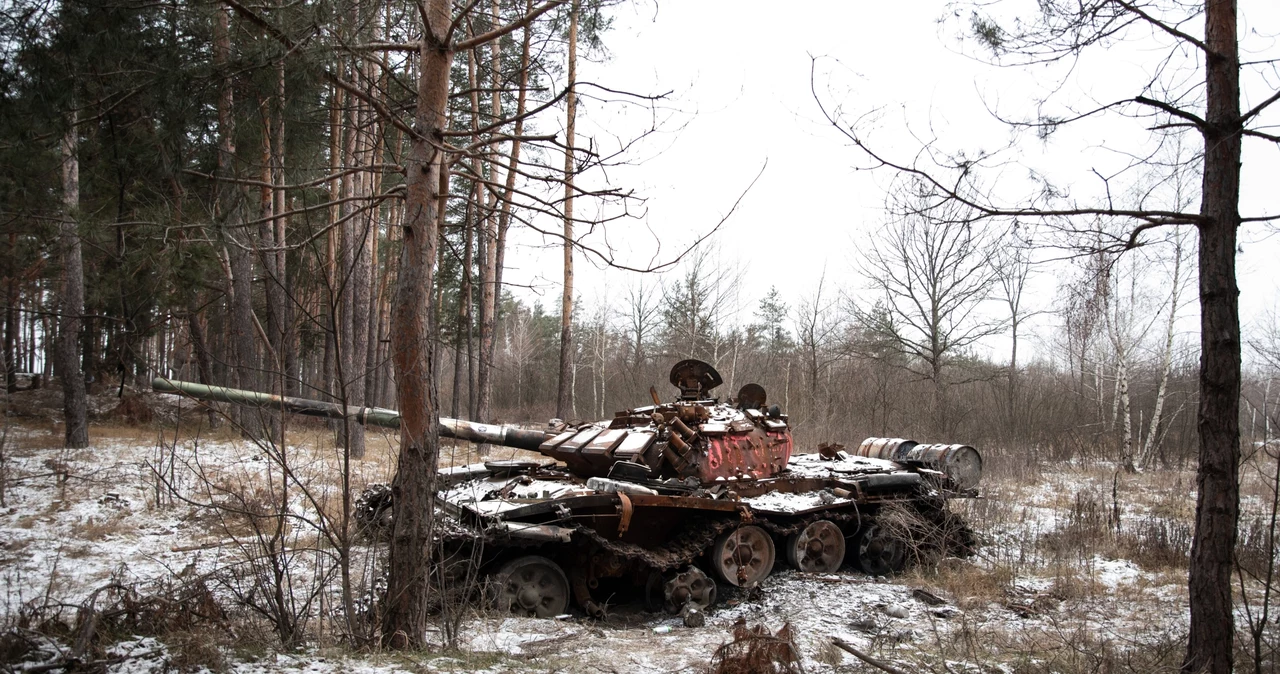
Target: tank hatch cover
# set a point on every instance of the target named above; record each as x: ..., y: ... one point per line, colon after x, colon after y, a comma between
x: 695, y: 379
x: 752, y: 397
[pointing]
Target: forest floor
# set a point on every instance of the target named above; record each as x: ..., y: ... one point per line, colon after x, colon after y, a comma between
x: 1082, y: 569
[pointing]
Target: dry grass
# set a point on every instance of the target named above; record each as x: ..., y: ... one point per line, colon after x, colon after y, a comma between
x: 969, y: 585
x: 1049, y: 537
x: 1046, y: 533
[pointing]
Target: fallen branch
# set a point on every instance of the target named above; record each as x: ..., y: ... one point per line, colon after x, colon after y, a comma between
x: 878, y: 664
x: 74, y: 663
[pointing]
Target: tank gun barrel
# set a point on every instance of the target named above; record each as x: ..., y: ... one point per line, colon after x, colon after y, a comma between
x: 375, y: 416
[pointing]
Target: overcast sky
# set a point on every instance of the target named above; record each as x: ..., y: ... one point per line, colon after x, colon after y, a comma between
x: 739, y: 77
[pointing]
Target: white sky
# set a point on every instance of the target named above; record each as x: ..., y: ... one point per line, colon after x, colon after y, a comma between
x: 739, y: 73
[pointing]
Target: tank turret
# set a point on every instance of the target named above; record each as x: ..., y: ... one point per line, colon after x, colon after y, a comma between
x: 696, y: 437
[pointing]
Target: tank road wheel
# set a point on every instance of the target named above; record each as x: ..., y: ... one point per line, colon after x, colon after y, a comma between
x: 743, y: 556
x: 877, y: 552
x: 817, y: 548
x: 531, y: 585
x: 690, y: 586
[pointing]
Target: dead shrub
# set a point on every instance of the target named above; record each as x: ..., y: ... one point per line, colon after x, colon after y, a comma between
x: 1157, y: 543
x: 183, y: 614
x: 930, y: 531
x: 1084, y: 531
x: 754, y: 651
x: 132, y: 410
x: 1253, y: 553
x: 1069, y: 585
x: 170, y: 607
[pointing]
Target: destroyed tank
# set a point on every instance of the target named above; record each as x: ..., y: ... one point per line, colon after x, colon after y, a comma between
x: 673, y: 497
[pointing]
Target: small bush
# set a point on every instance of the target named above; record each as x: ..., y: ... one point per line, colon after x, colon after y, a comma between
x: 755, y: 651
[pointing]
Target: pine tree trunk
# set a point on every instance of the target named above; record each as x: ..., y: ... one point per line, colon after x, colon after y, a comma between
x: 1209, y: 646
x: 489, y: 262
x: 333, y: 321
x: 513, y: 163
x: 11, y: 323
x: 462, y: 338
x: 204, y: 360
x: 356, y: 271
x: 413, y: 489
x: 238, y: 242
x: 564, y: 397
x: 74, y: 406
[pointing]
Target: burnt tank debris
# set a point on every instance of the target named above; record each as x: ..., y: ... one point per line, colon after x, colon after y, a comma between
x: 673, y: 498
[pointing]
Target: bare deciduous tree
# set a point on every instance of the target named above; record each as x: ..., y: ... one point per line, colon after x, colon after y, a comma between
x: 932, y: 270
x: 1193, y: 87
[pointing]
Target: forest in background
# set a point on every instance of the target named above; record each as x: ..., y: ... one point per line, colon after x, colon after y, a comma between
x: 237, y: 203
x: 292, y: 197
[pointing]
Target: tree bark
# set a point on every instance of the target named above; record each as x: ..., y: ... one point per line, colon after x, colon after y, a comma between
x: 1209, y: 646
x: 564, y: 397
x: 489, y: 261
x: 356, y: 245
x: 413, y: 489
x: 462, y: 336
x: 513, y: 163
x: 11, y: 323
x: 74, y: 406
x: 204, y: 361
x: 273, y: 237
x: 237, y: 241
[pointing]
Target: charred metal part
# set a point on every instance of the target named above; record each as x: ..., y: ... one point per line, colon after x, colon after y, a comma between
x: 743, y: 556
x: 582, y: 593
x: 961, y: 463
x: 625, y: 511
x: 878, y: 552
x: 752, y: 397
x: 694, y: 378
x: 690, y: 588
x: 531, y: 585
x: 831, y: 452
x: 534, y: 532
x: 507, y: 468
x: 818, y: 548
x: 693, y: 616
x: 682, y: 545
x: 889, y: 449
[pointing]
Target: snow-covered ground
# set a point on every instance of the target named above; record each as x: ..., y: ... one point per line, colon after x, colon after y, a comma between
x: 76, y: 521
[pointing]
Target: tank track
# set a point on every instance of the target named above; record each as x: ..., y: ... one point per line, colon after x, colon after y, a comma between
x: 680, y: 549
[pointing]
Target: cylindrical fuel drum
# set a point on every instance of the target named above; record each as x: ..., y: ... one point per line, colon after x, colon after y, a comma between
x: 889, y: 449
x: 962, y: 463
